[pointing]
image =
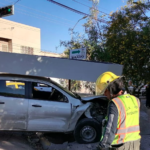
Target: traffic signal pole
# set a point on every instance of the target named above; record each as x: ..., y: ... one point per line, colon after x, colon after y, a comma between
x: 6, y: 11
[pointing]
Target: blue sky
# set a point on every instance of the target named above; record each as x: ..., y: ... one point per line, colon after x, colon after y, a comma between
x: 53, y: 20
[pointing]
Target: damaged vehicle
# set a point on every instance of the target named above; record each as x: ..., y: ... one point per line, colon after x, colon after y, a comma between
x: 45, y: 106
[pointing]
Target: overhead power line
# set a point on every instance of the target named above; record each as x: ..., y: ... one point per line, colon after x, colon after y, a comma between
x: 41, y: 12
x: 17, y: 48
x: 89, y: 7
x: 89, y: 2
x: 74, y: 10
x: 46, y: 13
x: 86, y: 1
x: 43, y: 18
x: 16, y: 2
x: 69, y: 8
x: 54, y: 20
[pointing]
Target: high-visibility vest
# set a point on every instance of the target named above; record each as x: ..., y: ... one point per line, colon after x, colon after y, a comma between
x: 128, y: 119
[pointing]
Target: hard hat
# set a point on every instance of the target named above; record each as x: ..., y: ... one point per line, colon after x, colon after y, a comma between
x: 103, y: 81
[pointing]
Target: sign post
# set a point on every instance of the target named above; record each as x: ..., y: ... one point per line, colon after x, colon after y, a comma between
x: 76, y: 54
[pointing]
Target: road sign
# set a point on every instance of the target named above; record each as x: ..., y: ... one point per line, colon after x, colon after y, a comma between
x: 78, y: 53
x: 6, y: 11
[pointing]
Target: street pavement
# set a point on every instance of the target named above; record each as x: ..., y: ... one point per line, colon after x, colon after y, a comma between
x: 13, y: 141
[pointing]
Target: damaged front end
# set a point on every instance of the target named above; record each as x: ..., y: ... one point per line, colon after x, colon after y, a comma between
x: 94, y: 107
x: 98, y: 107
x: 88, y: 127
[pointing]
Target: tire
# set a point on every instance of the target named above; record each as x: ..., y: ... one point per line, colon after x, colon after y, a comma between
x: 87, y: 131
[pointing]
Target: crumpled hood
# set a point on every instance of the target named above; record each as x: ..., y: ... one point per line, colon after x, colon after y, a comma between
x: 90, y: 98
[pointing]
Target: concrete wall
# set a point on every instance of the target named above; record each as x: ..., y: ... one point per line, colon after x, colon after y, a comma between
x: 55, y: 67
x: 18, y: 35
x: 42, y: 53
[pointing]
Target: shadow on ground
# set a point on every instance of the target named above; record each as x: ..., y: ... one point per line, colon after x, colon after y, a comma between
x: 13, y: 141
x: 59, y: 138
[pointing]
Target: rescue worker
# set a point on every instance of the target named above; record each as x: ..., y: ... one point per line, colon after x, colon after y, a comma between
x: 121, y: 125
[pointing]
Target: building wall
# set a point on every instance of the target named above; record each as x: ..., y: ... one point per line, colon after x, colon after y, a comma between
x: 19, y: 38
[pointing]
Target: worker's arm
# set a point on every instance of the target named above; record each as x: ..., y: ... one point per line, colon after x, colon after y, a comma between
x: 111, y: 126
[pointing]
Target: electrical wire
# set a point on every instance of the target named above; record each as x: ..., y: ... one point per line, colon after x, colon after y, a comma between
x: 16, y: 2
x: 69, y: 8
x: 86, y: 1
x: 90, y: 7
x: 43, y: 12
x: 74, y: 10
x: 20, y: 26
x: 41, y: 53
x: 43, y: 18
x: 47, y: 19
x: 17, y: 47
x: 98, y: 6
x: 95, y: 9
x: 37, y: 49
x: 47, y: 13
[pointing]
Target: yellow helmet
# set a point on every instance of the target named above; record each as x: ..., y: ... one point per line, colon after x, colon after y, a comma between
x: 103, y: 81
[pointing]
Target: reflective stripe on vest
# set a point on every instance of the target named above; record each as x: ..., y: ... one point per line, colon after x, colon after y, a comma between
x: 127, y: 131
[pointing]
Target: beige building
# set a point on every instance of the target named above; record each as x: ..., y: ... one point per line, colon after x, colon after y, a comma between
x: 19, y: 38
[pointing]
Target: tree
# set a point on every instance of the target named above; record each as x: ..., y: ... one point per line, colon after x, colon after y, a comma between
x: 128, y: 42
x: 92, y: 39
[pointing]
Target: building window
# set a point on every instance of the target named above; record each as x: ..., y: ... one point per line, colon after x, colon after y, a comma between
x: 27, y: 50
x: 4, y: 48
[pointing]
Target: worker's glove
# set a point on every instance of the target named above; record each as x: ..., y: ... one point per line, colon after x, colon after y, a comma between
x: 104, y: 122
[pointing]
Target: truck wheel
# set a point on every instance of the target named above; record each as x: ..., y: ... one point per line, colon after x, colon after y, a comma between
x: 87, y: 131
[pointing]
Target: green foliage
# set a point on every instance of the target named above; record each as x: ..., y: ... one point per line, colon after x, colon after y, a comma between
x: 128, y: 42
x: 75, y: 85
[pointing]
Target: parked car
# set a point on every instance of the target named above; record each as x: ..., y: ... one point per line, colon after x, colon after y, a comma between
x: 45, y: 106
x: 142, y: 90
